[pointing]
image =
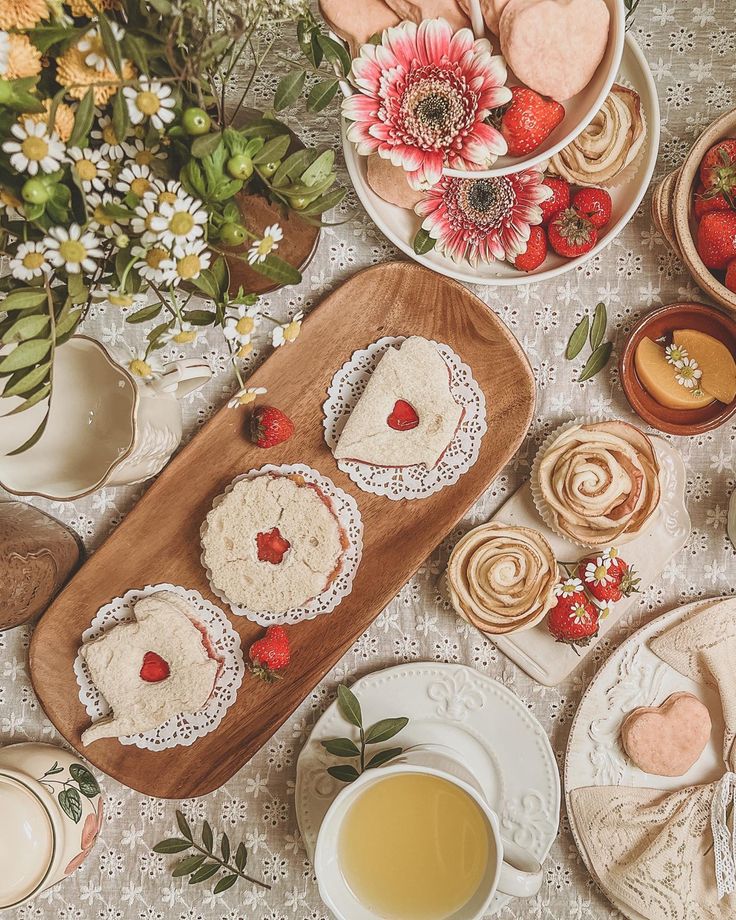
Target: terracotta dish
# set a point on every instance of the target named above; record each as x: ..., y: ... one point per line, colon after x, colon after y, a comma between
x: 662, y: 322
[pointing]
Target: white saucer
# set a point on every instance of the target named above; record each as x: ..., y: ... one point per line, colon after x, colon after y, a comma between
x: 497, y: 736
x: 634, y: 676
x: 401, y: 225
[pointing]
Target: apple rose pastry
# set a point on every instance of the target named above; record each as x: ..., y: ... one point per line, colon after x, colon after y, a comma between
x: 501, y: 578
x: 601, y: 152
x: 598, y: 483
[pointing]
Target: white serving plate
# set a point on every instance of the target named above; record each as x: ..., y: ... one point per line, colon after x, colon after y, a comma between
x: 494, y: 731
x: 634, y: 676
x: 535, y: 650
x: 400, y: 225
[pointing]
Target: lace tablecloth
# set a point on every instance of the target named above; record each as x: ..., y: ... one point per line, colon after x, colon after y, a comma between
x: 691, y: 48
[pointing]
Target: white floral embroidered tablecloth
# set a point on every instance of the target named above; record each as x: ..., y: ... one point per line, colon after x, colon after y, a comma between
x: 691, y: 48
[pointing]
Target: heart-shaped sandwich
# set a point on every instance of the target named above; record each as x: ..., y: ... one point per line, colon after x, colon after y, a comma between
x: 667, y: 740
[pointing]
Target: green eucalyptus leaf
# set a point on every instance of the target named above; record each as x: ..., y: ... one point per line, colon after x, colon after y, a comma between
x: 25, y: 355
x: 221, y: 274
x: 335, y: 53
x: 349, y: 706
x: 188, y: 865
x: 207, y: 838
x: 200, y: 317
x: 241, y: 856
x: 227, y: 881
x: 324, y: 203
x: 23, y: 299
x: 183, y: 824
x: 83, y: 120
x: 322, y: 94
x: 596, y: 362
x: 289, y: 89
x: 120, y: 117
x: 70, y: 803
x: 278, y: 270
x: 385, y: 729
x: 145, y: 313
x: 598, y: 328
x: 293, y: 165
x: 577, y: 339
x: 341, y: 747
x: 206, y: 283
x: 423, y: 242
x: 320, y: 170
x: 382, y: 757
x: 31, y: 400
x: 206, y: 145
x: 67, y: 326
x: 273, y: 150
x: 136, y: 51
x: 344, y: 773
x: 24, y: 381
x: 172, y: 845
x: 225, y: 847
x: 26, y: 445
x: 26, y: 328
x: 110, y: 43
x: 203, y: 873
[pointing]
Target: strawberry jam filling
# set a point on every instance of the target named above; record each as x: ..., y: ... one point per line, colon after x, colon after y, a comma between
x: 154, y: 668
x: 403, y: 416
x: 271, y: 546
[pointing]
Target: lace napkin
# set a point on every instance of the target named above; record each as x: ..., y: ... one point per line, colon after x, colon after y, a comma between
x: 672, y: 856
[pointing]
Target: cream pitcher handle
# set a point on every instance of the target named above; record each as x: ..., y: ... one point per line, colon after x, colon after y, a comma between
x: 180, y: 378
x: 476, y: 19
x: 521, y: 874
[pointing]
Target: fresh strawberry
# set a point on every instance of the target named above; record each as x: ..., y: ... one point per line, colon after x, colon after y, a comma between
x: 560, y: 199
x: 535, y: 252
x: 528, y: 120
x: 594, y: 204
x: 716, y: 241
x: 403, y: 416
x: 571, y: 235
x: 704, y: 203
x: 271, y: 546
x: 154, y: 669
x: 573, y: 619
x: 607, y: 578
x: 730, y: 281
x: 270, y: 654
x: 269, y: 426
x: 718, y: 168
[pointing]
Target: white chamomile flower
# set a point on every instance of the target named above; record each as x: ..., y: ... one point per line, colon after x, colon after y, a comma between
x: 137, y: 152
x: 245, y: 396
x: 238, y: 329
x: 92, y: 47
x: 34, y: 149
x: 73, y: 249
x: 141, y: 224
x: 191, y: 260
x: 30, y: 261
x: 4, y: 51
x: 688, y: 373
x: 567, y: 587
x: 287, y: 332
x: 604, y: 608
x: 92, y: 170
x: 117, y: 298
x: 150, y: 100
x: 611, y: 554
x: 186, y: 334
x: 165, y: 192
x: 144, y: 366
x: 596, y: 572
x: 259, y: 249
x: 154, y: 264
x: 99, y: 220
x: 136, y: 179
x: 675, y: 354
x: 180, y: 222
x: 111, y: 148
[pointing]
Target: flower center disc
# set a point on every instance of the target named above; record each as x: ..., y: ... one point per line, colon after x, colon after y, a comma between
x: 72, y: 251
x: 488, y: 201
x: 148, y: 103
x: 35, y: 148
x: 33, y: 260
x: 139, y: 187
x: 181, y: 223
x: 188, y: 267
x: 86, y: 170
x: 244, y: 325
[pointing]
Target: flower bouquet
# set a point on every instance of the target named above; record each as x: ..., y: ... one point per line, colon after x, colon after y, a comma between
x: 126, y: 172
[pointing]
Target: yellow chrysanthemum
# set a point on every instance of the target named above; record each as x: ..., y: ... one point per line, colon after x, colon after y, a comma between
x: 89, y: 7
x: 77, y: 77
x: 63, y: 122
x: 22, y: 14
x: 24, y: 58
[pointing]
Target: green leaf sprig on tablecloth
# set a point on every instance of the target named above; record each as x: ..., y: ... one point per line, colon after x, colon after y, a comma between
x: 592, y: 332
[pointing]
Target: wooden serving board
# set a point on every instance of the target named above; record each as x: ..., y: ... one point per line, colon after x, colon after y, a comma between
x: 159, y: 540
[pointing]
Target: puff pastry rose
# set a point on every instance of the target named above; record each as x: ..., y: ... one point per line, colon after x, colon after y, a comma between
x: 599, y: 482
x: 501, y: 578
x: 605, y: 148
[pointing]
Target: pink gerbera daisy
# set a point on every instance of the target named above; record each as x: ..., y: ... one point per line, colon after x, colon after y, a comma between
x: 481, y: 220
x: 423, y: 96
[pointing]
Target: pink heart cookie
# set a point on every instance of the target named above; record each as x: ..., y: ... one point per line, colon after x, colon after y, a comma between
x: 667, y: 740
x: 555, y: 46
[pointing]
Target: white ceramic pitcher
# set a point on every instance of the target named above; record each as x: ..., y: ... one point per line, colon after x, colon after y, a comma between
x: 105, y: 427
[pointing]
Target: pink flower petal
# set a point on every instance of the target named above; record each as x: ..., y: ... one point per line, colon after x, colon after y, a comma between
x: 433, y: 40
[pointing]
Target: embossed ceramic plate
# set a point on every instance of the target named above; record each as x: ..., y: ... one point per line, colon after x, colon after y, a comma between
x: 449, y: 704
x: 634, y: 676
x: 535, y: 650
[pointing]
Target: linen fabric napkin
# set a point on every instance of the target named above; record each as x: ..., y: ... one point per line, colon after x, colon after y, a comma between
x: 671, y: 856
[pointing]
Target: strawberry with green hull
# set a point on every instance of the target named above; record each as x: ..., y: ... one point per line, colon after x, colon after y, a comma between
x: 608, y: 578
x: 270, y: 426
x: 718, y: 169
x: 574, y: 619
x: 571, y: 235
x: 270, y: 654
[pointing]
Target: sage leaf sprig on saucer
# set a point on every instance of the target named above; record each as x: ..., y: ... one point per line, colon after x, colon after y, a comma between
x: 380, y: 731
x: 205, y: 863
x: 594, y: 333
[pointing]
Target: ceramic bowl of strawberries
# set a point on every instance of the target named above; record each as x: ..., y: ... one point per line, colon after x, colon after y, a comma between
x: 704, y: 211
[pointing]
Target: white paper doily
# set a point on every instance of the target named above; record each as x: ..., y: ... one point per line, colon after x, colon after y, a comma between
x: 348, y: 516
x: 409, y: 481
x: 187, y: 727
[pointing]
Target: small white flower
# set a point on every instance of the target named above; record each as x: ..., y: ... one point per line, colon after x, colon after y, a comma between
x: 675, y: 354
x: 111, y: 148
x: 259, y: 249
x: 287, y: 332
x: 146, y: 367
x: 35, y: 149
x: 145, y: 211
x: 568, y: 586
x: 138, y: 152
x: 186, y: 334
x: 191, y: 260
x: 154, y: 264
x: 92, y: 170
x: 73, y: 249
x: 152, y: 100
x: 99, y: 221
x: 604, y: 608
x: 596, y: 573
x: 165, y: 192
x: 179, y: 222
x: 30, y: 261
x: 4, y: 51
x: 136, y: 179
x: 117, y: 298
x: 238, y: 329
x: 688, y: 373
x: 91, y: 43
x: 245, y: 395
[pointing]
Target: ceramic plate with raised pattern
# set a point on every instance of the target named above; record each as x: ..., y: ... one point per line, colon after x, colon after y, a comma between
x: 496, y: 735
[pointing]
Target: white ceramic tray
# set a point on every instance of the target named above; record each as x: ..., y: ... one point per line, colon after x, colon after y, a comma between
x: 401, y: 225
x: 634, y: 676
x: 535, y: 650
x: 459, y: 707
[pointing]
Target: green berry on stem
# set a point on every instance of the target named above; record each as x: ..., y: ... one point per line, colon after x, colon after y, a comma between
x: 232, y: 234
x: 196, y: 122
x: 240, y: 166
x: 268, y: 169
x: 35, y: 191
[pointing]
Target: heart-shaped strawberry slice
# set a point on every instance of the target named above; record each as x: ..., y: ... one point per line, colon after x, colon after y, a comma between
x: 403, y: 416
x: 154, y: 668
x: 271, y: 546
